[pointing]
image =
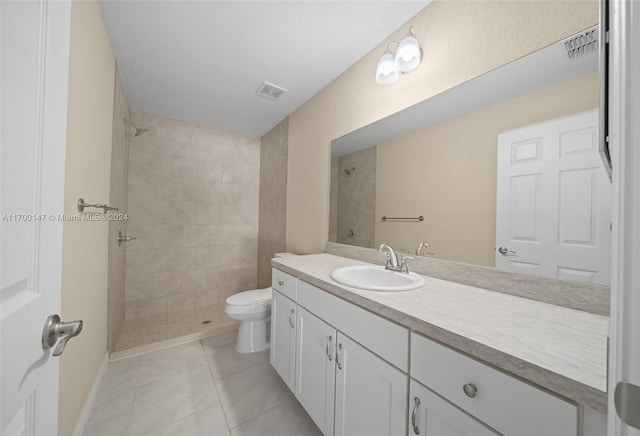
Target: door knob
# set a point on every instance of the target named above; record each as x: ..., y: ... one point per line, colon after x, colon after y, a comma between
x: 504, y: 251
x: 59, y: 332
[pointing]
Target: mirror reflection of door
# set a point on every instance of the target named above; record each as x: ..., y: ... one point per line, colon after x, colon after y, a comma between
x: 554, y: 201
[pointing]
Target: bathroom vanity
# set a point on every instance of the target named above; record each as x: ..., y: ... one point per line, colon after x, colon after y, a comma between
x: 445, y: 358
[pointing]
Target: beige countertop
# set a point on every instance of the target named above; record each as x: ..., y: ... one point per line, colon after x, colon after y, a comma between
x: 562, y: 350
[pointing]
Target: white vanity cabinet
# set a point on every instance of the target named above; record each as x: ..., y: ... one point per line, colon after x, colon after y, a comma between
x: 504, y: 403
x: 357, y: 373
x: 430, y: 415
x: 315, y: 369
x: 346, y: 366
x: 344, y: 387
x: 283, y: 337
x: 371, y: 394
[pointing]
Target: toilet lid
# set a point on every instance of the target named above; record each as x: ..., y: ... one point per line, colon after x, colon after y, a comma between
x: 253, y: 297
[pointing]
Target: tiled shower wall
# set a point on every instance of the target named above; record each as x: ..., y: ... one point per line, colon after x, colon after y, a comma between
x: 354, y: 199
x: 193, y: 207
x: 118, y: 198
x: 273, y: 198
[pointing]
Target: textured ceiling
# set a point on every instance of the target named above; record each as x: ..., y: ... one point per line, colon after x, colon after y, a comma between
x: 202, y: 61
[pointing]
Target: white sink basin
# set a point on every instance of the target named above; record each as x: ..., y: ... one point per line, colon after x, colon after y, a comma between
x: 376, y: 278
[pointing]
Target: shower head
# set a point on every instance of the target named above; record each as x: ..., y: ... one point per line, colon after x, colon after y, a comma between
x: 138, y: 130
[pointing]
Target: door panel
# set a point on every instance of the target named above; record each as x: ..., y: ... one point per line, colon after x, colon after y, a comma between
x: 315, y: 372
x: 35, y: 56
x: 283, y: 338
x: 371, y: 394
x: 554, y: 201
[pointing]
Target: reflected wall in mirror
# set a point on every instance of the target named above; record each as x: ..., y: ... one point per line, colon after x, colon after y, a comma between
x: 440, y: 161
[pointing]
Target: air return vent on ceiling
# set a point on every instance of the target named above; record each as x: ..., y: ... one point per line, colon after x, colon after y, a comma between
x: 581, y: 44
x: 270, y: 91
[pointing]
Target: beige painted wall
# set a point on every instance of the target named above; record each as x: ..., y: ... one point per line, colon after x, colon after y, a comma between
x: 447, y: 173
x: 460, y: 40
x: 88, y: 163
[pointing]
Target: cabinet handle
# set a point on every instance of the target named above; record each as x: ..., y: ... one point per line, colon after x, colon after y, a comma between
x: 470, y: 390
x: 327, y: 349
x: 416, y: 430
x: 338, y: 356
x: 290, y: 315
x: 281, y: 282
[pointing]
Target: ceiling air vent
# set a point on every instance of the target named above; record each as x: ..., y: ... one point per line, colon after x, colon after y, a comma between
x: 270, y: 91
x: 581, y: 44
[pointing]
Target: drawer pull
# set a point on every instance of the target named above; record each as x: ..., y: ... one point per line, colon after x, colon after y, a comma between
x: 470, y: 390
x: 338, y: 356
x: 327, y: 349
x: 281, y: 282
x: 290, y: 316
x: 416, y: 429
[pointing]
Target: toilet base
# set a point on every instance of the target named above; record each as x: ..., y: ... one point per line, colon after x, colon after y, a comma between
x: 253, y: 336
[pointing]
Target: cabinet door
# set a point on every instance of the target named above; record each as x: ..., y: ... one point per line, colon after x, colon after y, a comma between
x: 315, y: 371
x: 283, y: 338
x: 430, y: 415
x: 371, y: 394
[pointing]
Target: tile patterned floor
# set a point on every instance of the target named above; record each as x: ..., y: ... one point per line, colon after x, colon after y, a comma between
x: 199, y: 388
x: 145, y: 331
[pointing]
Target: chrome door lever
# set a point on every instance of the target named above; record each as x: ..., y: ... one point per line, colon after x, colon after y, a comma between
x: 55, y: 331
x: 505, y: 251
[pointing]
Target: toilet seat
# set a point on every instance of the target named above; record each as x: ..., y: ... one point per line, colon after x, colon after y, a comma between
x: 255, y: 296
x: 254, y: 301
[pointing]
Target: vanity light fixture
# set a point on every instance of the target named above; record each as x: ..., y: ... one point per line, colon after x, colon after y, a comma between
x: 407, y: 58
x: 387, y: 71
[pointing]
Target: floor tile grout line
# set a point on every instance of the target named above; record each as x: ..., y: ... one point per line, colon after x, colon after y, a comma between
x: 289, y: 398
x: 243, y: 370
x: 133, y: 400
x: 159, y: 380
x: 224, y: 413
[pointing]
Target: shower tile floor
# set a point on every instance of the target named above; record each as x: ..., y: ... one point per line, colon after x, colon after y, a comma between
x: 203, y: 387
x: 159, y: 331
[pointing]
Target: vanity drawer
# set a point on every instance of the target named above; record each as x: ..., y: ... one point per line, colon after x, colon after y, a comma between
x: 386, y: 339
x: 284, y: 283
x: 510, y: 406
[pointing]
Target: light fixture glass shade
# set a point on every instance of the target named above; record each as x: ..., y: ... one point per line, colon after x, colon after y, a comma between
x: 387, y: 71
x: 408, y: 55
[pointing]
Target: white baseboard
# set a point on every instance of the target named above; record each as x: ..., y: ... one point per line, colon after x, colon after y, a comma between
x: 91, y: 399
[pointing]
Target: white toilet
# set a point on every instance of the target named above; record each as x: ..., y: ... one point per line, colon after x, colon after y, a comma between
x: 253, y: 310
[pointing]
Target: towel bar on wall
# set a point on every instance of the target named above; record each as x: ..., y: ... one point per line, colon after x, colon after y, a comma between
x: 388, y: 218
x: 104, y: 207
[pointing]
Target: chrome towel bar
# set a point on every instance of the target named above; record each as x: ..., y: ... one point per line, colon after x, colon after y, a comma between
x: 104, y: 207
x: 388, y: 218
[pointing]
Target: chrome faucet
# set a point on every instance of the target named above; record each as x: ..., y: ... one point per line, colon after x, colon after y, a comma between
x: 421, y: 251
x: 392, y: 259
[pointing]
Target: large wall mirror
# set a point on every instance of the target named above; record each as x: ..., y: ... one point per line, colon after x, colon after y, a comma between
x: 501, y: 171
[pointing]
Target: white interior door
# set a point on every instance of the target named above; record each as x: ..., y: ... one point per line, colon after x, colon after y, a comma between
x: 34, y: 70
x: 554, y: 201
